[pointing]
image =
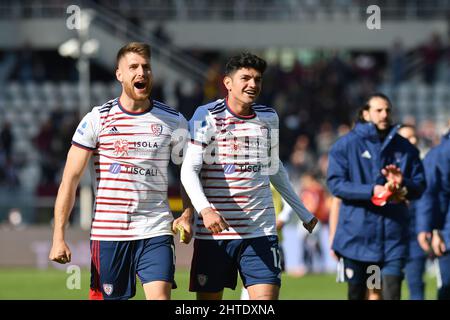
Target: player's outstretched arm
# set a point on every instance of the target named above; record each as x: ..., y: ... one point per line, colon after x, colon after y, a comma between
x: 77, y: 160
x: 281, y: 183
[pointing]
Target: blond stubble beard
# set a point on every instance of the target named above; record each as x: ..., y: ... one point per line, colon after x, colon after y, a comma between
x: 129, y: 90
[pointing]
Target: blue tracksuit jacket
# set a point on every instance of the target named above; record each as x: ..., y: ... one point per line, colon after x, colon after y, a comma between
x: 444, y: 172
x: 433, y: 209
x: 366, y: 232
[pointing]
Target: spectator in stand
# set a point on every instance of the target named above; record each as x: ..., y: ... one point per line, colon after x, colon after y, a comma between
x: 6, y: 140
x: 431, y: 53
x: 397, y: 62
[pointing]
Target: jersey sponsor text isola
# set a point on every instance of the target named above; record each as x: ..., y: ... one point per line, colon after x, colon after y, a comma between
x: 130, y: 159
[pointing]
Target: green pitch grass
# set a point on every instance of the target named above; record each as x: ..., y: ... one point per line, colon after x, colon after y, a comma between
x: 50, y: 284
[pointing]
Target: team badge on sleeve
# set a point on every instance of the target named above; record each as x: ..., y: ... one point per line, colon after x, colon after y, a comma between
x: 156, y: 129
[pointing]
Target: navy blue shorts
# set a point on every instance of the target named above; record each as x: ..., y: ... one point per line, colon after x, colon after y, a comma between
x: 115, y: 264
x: 357, y: 272
x: 215, y: 263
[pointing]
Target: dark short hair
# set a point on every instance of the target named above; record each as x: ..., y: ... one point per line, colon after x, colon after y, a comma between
x: 139, y: 48
x: 245, y: 60
x: 366, y: 105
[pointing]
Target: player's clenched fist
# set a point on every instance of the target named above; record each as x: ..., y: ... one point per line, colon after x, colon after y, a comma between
x: 60, y: 253
x: 213, y: 221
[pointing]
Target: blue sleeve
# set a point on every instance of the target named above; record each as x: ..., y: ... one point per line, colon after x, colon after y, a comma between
x: 443, y: 168
x: 416, y: 183
x: 427, y: 205
x: 338, y: 179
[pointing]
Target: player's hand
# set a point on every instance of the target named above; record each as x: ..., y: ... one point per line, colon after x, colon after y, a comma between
x: 393, y: 174
x: 399, y: 195
x: 60, y: 252
x: 381, y: 194
x: 379, y: 189
x: 424, y: 240
x: 334, y: 255
x: 279, y: 224
x: 184, y: 221
x: 310, y: 225
x: 438, y: 244
x: 213, y: 221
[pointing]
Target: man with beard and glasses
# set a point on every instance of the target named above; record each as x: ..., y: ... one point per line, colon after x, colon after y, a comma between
x: 229, y: 164
x: 131, y: 139
x: 373, y: 170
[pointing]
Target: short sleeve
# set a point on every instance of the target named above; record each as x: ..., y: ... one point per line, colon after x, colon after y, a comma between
x: 200, y: 128
x: 86, y: 134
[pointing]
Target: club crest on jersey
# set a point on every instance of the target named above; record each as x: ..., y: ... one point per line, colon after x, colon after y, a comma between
x: 235, y: 146
x: 108, y: 288
x: 202, y: 278
x: 156, y: 129
x: 229, y: 168
x: 121, y: 147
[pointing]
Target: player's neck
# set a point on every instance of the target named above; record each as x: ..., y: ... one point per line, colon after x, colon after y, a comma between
x: 134, y: 106
x: 238, y: 107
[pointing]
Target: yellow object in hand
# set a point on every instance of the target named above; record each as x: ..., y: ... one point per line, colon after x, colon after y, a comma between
x: 182, y: 235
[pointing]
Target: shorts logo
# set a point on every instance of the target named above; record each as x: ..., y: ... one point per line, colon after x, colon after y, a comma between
x: 349, y: 273
x: 229, y: 168
x: 156, y: 129
x: 114, y: 168
x: 202, y: 278
x: 108, y: 288
x: 121, y: 147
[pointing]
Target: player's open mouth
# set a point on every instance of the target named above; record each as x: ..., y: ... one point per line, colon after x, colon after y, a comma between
x: 140, y: 85
x: 250, y: 93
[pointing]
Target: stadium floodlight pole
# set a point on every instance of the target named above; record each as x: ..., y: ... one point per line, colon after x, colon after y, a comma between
x: 86, y: 196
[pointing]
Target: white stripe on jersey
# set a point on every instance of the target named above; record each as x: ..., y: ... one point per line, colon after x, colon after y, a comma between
x: 236, y: 153
x: 129, y: 164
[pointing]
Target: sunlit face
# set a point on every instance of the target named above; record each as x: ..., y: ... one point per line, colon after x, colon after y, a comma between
x: 135, y: 74
x: 379, y: 113
x: 408, y: 133
x: 244, y: 85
